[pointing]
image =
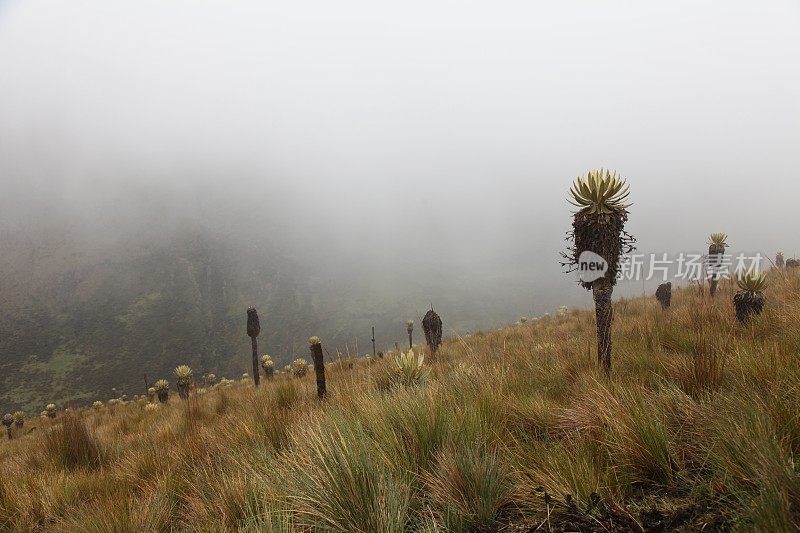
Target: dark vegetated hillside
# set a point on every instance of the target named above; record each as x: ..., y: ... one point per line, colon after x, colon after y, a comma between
x: 78, y: 319
x: 75, y: 333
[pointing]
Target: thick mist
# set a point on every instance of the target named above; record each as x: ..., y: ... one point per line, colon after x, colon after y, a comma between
x: 394, y: 144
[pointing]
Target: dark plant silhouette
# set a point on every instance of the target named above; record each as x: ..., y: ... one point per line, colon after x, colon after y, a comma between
x: 664, y: 294
x: 432, y: 327
x: 319, y: 366
x: 779, y: 262
x: 253, y: 329
x: 410, y: 330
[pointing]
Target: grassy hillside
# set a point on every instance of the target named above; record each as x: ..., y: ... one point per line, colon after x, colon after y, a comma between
x: 696, y: 428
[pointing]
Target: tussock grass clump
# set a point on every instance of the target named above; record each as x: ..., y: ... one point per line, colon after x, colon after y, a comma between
x: 468, y: 488
x: 72, y: 445
x: 340, y: 483
x: 410, y: 425
x: 286, y: 394
x: 7, y: 507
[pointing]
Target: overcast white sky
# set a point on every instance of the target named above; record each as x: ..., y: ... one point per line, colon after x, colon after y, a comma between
x: 466, y: 119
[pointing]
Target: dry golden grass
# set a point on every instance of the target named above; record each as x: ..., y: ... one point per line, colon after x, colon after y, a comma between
x: 697, y: 427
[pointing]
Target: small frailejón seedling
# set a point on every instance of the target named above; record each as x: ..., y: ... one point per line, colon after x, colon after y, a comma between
x: 410, y: 330
x: 716, y: 256
x: 432, y: 327
x: 8, y: 421
x: 319, y: 366
x: 19, y: 419
x: 183, y: 381
x: 299, y: 368
x: 664, y: 295
x: 50, y: 410
x: 749, y: 299
x: 97, y: 405
x: 408, y: 369
x: 253, y: 330
x: 151, y: 394
x: 598, y: 229
x: 162, y: 390
x: 268, y: 366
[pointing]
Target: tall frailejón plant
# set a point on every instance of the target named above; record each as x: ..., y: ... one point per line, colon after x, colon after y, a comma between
x: 779, y: 261
x: 253, y: 329
x: 183, y: 380
x: 664, y: 294
x: 432, y: 327
x: 410, y: 330
x: 598, y: 226
x: 749, y: 299
x: 319, y: 366
x: 716, y: 255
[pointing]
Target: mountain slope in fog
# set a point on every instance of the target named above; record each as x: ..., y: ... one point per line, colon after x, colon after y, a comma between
x: 76, y: 324
x: 78, y: 319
